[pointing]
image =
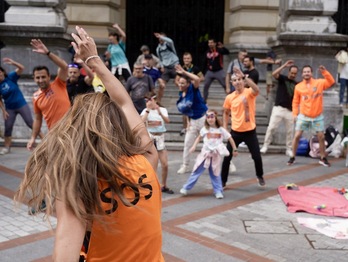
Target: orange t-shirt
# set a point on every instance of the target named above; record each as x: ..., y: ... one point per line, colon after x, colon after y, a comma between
x: 242, y: 108
x: 310, y: 98
x: 130, y: 233
x: 52, y: 103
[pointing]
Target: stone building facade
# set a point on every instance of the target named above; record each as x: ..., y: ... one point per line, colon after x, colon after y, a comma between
x: 288, y: 26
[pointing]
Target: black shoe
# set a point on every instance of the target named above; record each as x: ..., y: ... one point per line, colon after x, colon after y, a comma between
x: 261, y: 181
x: 291, y: 161
x: 167, y: 190
x: 324, y: 162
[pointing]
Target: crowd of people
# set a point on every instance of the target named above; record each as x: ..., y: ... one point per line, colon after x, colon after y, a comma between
x: 101, y: 153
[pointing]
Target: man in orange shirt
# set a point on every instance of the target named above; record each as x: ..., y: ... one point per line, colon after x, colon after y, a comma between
x: 307, y: 108
x: 241, y: 106
x: 51, y: 101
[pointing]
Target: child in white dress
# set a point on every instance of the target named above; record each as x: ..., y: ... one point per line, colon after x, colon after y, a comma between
x: 211, y: 155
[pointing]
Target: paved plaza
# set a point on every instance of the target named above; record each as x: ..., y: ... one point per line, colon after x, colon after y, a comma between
x: 249, y: 224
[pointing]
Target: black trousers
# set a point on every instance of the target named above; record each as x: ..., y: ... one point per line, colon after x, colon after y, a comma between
x: 250, y: 139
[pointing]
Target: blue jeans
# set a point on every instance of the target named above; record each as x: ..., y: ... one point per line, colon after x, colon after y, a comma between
x: 343, y: 86
x: 215, y: 180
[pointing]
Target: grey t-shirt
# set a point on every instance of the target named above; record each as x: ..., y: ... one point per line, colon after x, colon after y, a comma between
x: 137, y: 89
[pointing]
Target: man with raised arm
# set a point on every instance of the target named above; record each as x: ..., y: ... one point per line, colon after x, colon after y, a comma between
x: 51, y: 101
x: 307, y: 109
x: 282, y: 109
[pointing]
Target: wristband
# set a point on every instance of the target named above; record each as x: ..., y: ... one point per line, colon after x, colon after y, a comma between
x: 48, y: 53
x: 147, y: 111
x: 235, y: 150
x: 90, y: 57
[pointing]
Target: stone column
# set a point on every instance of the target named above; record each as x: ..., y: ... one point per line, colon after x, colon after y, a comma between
x: 96, y: 17
x: 306, y: 33
x: 25, y: 20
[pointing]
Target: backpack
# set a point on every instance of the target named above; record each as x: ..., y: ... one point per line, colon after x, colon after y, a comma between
x: 330, y: 135
x: 303, y: 147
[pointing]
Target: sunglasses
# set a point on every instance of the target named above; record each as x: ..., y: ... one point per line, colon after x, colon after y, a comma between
x: 211, y: 115
x: 151, y: 98
x: 73, y: 66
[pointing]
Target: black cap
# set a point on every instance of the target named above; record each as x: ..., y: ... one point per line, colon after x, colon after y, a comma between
x: 149, y: 56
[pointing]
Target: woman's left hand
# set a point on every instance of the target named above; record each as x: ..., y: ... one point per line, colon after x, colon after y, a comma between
x: 84, y: 45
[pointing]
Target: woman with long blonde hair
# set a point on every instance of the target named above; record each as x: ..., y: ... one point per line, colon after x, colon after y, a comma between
x: 96, y: 170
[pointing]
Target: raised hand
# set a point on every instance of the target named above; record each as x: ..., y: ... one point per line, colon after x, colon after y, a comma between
x: 8, y: 61
x: 322, y: 68
x: 179, y: 69
x: 84, y: 45
x: 289, y: 63
x: 237, y: 71
x: 38, y: 46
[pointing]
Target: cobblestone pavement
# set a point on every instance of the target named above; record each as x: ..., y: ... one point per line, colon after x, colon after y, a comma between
x: 249, y: 224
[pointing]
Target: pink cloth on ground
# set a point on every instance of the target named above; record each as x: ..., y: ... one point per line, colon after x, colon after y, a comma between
x: 306, y: 199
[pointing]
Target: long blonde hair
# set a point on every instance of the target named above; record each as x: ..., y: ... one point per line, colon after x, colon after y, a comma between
x: 83, y: 148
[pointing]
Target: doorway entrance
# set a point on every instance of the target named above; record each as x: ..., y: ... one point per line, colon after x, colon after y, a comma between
x: 188, y: 22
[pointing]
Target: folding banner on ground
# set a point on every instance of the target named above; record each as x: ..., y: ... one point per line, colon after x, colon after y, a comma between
x: 326, y: 201
x: 335, y: 228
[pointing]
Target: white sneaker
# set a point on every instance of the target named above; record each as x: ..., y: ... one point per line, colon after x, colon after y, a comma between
x: 289, y: 153
x: 5, y: 151
x: 219, y: 195
x: 243, y: 145
x: 263, y: 150
x: 183, y: 191
x: 183, y: 169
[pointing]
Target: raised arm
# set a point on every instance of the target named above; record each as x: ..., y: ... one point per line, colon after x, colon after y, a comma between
x: 19, y: 67
x: 86, y: 49
x: 195, y: 79
x: 225, y: 118
x: 276, y: 72
x: 120, y: 31
x: 39, y: 47
x: 329, y: 80
x: 193, y: 148
x: 248, y: 81
x: 36, y: 130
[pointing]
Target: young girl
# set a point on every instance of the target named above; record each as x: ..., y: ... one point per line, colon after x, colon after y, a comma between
x: 211, y: 155
x: 155, y: 116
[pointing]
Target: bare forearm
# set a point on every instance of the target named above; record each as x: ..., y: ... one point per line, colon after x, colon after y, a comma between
x: 36, y: 128
x: 232, y: 144
x: 225, y: 118
x: 62, y: 66
x: 19, y: 66
x: 193, y: 77
x: 277, y: 72
x: 253, y: 86
x: 119, y: 29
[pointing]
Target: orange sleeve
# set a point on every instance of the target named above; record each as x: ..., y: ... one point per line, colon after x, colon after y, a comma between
x: 329, y: 80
